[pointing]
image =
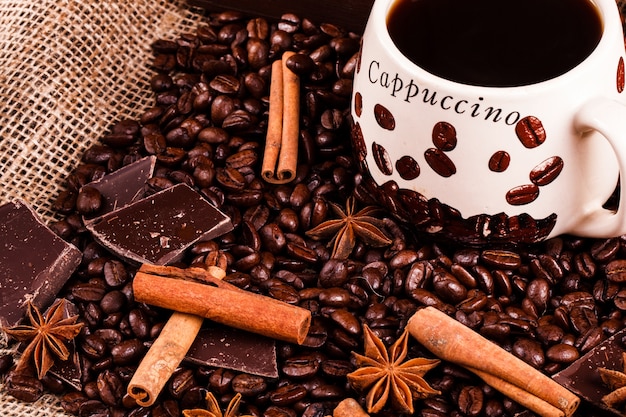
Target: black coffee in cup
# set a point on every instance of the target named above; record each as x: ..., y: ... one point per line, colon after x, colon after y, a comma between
x: 496, y: 43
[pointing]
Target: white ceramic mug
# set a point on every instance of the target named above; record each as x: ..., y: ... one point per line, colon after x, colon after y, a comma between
x: 494, y: 164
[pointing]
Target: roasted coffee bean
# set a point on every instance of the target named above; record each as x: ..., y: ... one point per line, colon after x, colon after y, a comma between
x: 93, y: 346
x: 112, y: 302
x: 530, y: 352
x: 248, y: 385
x: 24, y: 387
x: 71, y: 401
x: 115, y: 273
x: 523, y: 194
x: 538, y: 291
x: 440, y: 162
x: 334, y: 297
x: 287, y: 394
x: 502, y: 259
x: 562, y: 353
x: 275, y: 411
x: 110, y: 387
x: 89, y: 200
x: 616, y: 270
x: 547, y: 171
x: 530, y: 132
x: 334, y: 273
x: 471, y: 400
x: 128, y: 351
x: 347, y: 321
x: 300, y: 367
x: 448, y: 287
x: 300, y: 64
x: 93, y: 408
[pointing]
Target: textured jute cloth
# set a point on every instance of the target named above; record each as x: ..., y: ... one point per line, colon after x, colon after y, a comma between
x: 68, y: 71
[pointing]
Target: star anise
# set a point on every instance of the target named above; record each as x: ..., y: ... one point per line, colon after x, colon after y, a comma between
x: 616, y: 381
x: 47, y: 336
x: 350, y: 225
x: 387, y: 377
x: 213, y: 408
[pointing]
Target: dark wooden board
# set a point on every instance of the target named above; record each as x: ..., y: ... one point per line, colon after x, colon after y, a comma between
x: 349, y: 14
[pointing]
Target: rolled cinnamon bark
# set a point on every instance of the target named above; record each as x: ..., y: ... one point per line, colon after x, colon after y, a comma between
x: 274, y: 136
x: 450, y: 340
x: 224, y: 303
x: 167, y: 352
x: 280, y: 157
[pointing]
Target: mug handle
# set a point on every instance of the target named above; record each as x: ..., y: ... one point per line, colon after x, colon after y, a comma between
x: 609, y: 118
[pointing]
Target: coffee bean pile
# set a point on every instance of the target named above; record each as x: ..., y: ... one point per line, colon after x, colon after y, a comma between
x: 548, y: 304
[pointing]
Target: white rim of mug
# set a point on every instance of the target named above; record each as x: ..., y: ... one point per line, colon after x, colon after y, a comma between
x: 610, y: 30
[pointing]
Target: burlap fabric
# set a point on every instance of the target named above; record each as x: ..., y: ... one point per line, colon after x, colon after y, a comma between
x: 68, y: 70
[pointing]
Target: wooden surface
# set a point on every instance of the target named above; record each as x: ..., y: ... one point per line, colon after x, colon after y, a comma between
x: 350, y: 14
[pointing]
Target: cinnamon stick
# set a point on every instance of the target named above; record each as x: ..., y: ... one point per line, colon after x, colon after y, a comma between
x: 167, y: 351
x: 280, y: 157
x: 450, y: 340
x: 221, y: 302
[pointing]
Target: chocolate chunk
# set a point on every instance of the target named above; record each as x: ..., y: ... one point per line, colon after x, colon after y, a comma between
x: 124, y: 186
x: 34, y: 262
x: 159, y: 228
x: 230, y: 348
x: 583, y: 378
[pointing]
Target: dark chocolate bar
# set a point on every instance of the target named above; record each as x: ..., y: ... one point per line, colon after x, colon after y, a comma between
x: 583, y: 378
x: 124, y: 186
x: 159, y: 228
x: 230, y: 348
x: 34, y: 262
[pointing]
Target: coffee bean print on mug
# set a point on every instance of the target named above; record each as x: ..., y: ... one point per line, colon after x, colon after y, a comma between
x: 523, y: 194
x: 440, y: 162
x: 358, y: 104
x: 407, y: 168
x: 499, y: 161
x: 620, y: 75
x: 384, y: 118
x: 530, y: 132
x: 381, y: 157
x: 547, y: 171
x: 444, y: 136
x: 358, y: 142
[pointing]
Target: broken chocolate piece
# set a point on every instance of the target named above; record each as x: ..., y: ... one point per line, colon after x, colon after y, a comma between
x: 124, y: 186
x: 583, y: 378
x: 34, y: 262
x: 238, y: 350
x: 159, y: 228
